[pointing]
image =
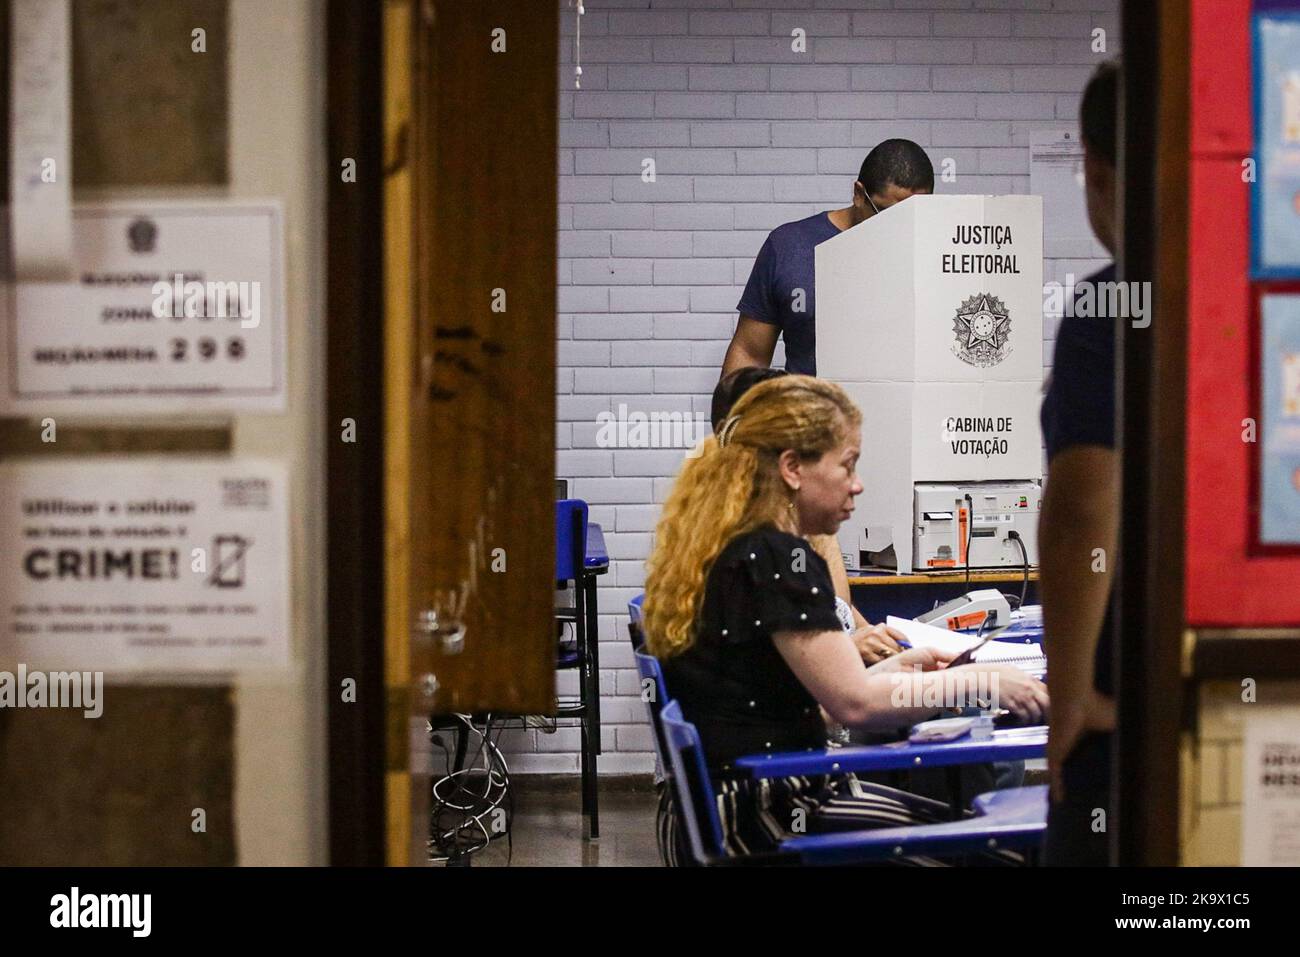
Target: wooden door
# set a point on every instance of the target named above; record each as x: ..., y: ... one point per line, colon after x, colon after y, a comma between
x: 471, y: 112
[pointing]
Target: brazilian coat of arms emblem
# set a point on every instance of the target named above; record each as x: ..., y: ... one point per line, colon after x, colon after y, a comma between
x: 982, y: 329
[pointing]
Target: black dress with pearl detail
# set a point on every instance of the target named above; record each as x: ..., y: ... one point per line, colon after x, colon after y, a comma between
x: 736, y: 688
x: 732, y: 683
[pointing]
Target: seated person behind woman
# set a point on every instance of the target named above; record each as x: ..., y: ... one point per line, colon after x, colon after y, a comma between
x: 740, y: 610
x: 874, y: 642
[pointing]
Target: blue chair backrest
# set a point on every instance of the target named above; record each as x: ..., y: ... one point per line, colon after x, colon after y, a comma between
x: 636, y: 622
x: 649, y: 668
x: 570, y: 538
x: 696, y: 804
x: 652, y: 681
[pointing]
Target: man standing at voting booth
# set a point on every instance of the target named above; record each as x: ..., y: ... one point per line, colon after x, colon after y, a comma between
x: 1079, y: 527
x: 778, y: 299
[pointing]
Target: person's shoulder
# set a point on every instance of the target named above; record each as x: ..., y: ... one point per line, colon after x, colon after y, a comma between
x: 1104, y: 274
x: 768, y: 546
x: 767, y: 535
x: 1089, y: 333
x: 800, y: 231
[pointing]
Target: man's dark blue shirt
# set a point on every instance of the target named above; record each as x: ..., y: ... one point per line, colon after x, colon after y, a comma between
x: 1080, y: 405
x: 781, y: 288
x: 1079, y: 409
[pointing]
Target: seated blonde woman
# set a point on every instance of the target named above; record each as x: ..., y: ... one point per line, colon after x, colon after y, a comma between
x: 874, y: 642
x: 740, y: 611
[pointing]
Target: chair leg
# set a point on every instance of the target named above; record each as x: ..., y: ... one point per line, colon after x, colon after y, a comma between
x: 586, y: 771
x: 592, y: 613
x: 590, y: 780
x: 590, y: 811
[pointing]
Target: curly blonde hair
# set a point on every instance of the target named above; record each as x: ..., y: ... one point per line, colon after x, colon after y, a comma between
x: 732, y: 487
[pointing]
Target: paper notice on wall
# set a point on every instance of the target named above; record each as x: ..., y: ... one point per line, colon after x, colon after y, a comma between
x: 40, y: 129
x: 144, y: 566
x: 176, y: 307
x: 1056, y: 174
x: 1270, y: 791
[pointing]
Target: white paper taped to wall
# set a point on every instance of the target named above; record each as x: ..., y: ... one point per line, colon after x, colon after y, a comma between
x: 1270, y: 786
x: 40, y: 129
x: 1056, y: 174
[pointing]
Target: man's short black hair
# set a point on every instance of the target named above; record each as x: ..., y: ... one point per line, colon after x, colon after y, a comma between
x: 735, y: 384
x: 900, y: 162
x: 1098, y: 109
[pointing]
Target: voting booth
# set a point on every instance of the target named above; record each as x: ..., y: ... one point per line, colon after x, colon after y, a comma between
x: 930, y: 315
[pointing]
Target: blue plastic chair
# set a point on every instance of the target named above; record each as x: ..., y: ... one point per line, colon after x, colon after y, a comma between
x: 636, y: 621
x: 1015, y: 818
x: 652, y: 680
x: 570, y: 553
x: 692, y: 788
x: 655, y: 695
x: 583, y: 654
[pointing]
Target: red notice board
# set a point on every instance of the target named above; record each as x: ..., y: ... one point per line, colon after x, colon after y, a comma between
x: 1230, y: 580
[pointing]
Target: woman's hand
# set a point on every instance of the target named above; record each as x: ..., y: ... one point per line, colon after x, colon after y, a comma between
x: 913, y: 659
x: 876, y: 643
x: 1017, y: 691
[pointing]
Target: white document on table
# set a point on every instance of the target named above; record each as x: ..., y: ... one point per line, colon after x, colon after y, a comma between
x: 921, y: 635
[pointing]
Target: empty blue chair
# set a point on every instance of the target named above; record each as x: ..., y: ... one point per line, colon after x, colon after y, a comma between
x: 570, y: 538
x: 582, y: 653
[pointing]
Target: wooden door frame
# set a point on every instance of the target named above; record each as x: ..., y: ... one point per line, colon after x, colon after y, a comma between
x: 1154, y: 163
x: 471, y: 127
x: 354, y: 391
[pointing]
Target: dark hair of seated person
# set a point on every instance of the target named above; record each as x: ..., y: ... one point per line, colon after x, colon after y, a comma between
x: 735, y: 384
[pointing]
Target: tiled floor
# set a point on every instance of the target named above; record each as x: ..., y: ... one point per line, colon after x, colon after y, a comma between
x: 548, y: 826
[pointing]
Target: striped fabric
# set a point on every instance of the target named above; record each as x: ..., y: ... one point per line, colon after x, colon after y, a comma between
x: 757, y: 816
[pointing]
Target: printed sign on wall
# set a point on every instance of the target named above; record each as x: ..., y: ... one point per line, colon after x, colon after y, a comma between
x: 1270, y: 792
x: 174, y: 308
x: 147, y: 565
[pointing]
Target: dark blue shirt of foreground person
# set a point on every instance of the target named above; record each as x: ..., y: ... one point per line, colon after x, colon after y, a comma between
x: 1079, y: 409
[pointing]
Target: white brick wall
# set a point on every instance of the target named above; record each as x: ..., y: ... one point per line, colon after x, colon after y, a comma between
x: 747, y: 134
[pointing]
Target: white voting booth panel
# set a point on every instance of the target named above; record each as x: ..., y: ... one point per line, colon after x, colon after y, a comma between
x: 930, y: 316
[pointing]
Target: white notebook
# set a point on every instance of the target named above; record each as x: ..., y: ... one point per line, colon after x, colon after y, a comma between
x: 1009, y: 651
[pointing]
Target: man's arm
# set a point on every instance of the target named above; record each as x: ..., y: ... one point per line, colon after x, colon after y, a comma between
x: 1077, y: 538
x: 752, y: 345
